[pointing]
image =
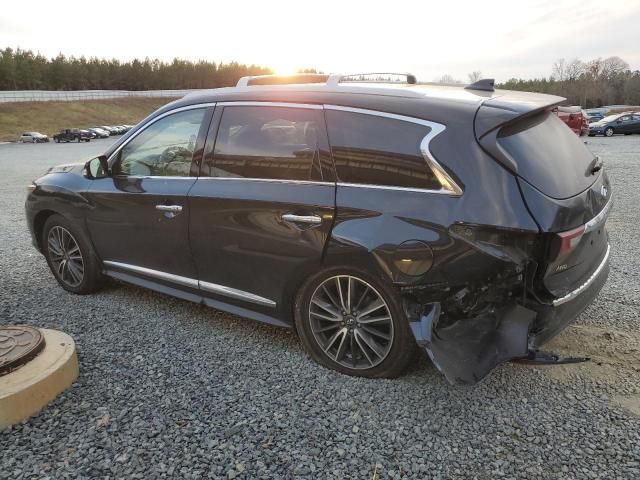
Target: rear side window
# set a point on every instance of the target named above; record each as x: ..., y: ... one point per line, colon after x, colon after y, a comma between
x: 548, y: 155
x: 374, y: 150
x: 267, y: 143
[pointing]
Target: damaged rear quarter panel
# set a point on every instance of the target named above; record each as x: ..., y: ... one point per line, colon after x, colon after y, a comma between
x: 385, y: 230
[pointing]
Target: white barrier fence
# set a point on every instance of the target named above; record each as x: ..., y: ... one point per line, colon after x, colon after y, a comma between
x: 73, y: 95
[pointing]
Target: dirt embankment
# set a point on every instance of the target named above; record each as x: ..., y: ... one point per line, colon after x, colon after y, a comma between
x: 51, y: 117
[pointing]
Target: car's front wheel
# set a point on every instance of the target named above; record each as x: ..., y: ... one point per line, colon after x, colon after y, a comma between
x: 608, y: 132
x: 351, y: 322
x: 70, y: 256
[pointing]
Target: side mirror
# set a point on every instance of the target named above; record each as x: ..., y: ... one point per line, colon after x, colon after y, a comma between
x: 97, y: 168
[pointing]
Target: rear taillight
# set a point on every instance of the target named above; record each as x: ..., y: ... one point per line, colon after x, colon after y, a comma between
x: 568, y: 241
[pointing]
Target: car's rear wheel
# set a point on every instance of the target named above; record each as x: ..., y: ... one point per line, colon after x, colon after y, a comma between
x: 608, y: 132
x: 70, y: 256
x: 351, y: 322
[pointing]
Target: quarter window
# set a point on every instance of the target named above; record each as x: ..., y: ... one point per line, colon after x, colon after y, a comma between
x: 267, y: 142
x: 164, y: 148
x: 374, y: 150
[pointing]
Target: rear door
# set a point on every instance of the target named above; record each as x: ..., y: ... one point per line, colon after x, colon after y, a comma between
x: 624, y: 124
x: 139, y: 217
x: 263, y: 206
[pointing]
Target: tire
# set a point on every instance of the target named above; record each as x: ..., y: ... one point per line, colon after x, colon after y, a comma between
x: 79, y: 139
x: 349, y: 352
x: 86, y: 274
x: 57, y: 140
x: 608, y: 132
x: 33, y: 140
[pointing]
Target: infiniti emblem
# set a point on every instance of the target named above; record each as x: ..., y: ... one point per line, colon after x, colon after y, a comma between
x: 603, y: 191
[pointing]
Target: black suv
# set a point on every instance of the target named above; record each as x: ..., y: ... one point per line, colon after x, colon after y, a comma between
x: 72, y: 135
x: 368, y: 216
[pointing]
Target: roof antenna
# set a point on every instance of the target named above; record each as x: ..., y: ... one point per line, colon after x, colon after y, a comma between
x: 484, y: 84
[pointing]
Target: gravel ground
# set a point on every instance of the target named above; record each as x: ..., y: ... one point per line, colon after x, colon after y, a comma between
x: 172, y: 389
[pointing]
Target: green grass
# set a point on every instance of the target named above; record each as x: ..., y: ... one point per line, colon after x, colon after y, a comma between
x: 51, y: 117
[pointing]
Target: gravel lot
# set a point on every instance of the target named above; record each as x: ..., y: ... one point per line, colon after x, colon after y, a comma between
x: 172, y: 389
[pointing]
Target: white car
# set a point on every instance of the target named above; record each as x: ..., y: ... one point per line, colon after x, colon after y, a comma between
x: 33, y: 137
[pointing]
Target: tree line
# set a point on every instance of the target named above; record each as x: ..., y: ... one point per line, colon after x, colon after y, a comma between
x: 602, y: 81
x: 598, y: 82
x: 25, y: 70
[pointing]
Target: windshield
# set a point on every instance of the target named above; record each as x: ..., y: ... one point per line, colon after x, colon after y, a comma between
x: 610, y: 118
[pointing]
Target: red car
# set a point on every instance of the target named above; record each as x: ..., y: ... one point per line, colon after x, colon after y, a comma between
x: 575, y: 118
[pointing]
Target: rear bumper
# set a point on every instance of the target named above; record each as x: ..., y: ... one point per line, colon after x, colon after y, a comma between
x: 468, y: 349
x: 552, y: 319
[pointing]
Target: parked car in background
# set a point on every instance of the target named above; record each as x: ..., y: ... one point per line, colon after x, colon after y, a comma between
x: 595, y: 116
x: 575, y: 118
x: 72, y: 135
x: 621, y: 123
x: 88, y: 132
x: 99, y: 132
x: 369, y: 217
x: 111, y: 130
x: 33, y: 137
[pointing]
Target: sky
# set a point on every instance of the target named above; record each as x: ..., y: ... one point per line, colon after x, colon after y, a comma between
x: 501, y: 39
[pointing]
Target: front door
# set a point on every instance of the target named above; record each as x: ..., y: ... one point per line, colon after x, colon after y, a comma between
x: 140, y: 215
x: 263, y: 206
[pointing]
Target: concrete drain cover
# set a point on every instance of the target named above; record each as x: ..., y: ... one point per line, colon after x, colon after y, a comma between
x: 18, y: 345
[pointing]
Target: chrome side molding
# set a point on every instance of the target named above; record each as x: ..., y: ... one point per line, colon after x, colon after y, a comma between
x: 167, y: 277
x: 235, y: 293
x: 193, y: 283
x: 573, y: 294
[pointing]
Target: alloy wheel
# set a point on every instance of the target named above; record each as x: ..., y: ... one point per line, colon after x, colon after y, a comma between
x: 351, y: 322
x: 65, y: 256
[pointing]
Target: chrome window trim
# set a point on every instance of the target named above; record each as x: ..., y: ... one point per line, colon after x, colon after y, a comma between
x: 271, y: 180
x: 449, y: 186
x: 312, y: 106
x: 168, y: 177
x: 154, y: 120
x: 193, y: 283
x: 391, y: 187
x: 573, y: 294
x: 595, y: 221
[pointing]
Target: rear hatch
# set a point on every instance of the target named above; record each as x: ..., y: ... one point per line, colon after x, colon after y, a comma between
x: 563, y: 184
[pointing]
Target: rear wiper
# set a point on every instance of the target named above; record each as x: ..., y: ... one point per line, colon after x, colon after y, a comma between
x: 596, y: 165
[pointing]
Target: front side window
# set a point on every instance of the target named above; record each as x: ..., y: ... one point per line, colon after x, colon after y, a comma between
x: 375, y: 150
x: 164, y: 148
x: 267, y: 143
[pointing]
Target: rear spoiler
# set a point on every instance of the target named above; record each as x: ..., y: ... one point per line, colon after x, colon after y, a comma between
x: 504, y: 108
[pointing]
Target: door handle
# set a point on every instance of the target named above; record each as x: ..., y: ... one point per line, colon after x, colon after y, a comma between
x: 169, y: 208
x: 309, y: 219
x: 170, y: 211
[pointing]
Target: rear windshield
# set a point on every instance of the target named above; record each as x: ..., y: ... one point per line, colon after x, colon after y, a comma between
x: 548, y: 155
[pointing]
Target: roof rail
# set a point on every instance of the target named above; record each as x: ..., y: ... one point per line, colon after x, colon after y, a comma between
x: 282, y: 79
x: 331, y: 80
x: 484, y: 84
x: 335, y: 78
